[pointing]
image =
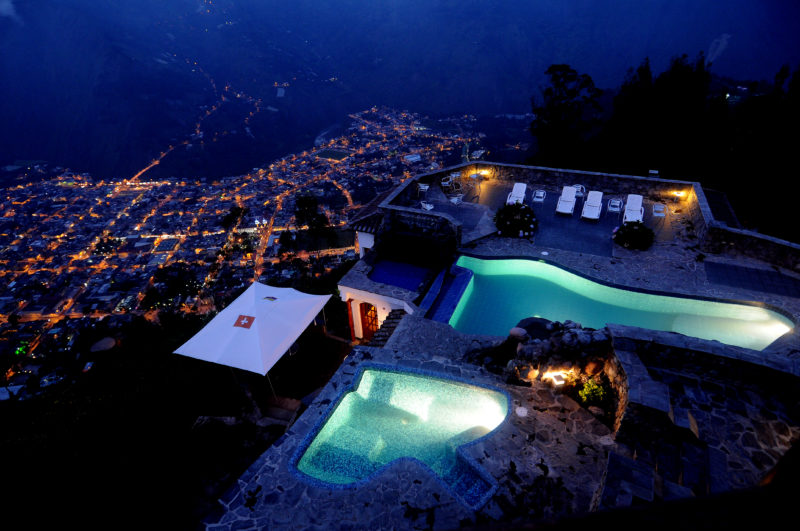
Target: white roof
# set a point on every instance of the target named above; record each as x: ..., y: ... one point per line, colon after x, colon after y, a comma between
x: 256, y: 329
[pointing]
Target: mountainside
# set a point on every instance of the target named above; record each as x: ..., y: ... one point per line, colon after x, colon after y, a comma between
x: 106, y: 87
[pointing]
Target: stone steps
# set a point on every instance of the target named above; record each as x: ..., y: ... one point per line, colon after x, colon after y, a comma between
x: 387, y: 328
x: 665, y: 454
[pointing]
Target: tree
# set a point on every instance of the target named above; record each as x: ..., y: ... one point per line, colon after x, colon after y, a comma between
x: 632, y: 117
x: 565, y: 116
x: 287, y: 241
x: 306, y: 212
x: 670, y: 122
x: 232, y: 217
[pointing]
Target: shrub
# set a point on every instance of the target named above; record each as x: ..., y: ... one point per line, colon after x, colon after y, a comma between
x: 515, y: 220
x: 634, y: 236
x: 592, y: 393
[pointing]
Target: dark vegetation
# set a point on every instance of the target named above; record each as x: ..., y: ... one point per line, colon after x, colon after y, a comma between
x: 307, y: 212
x: 318, y: 233
x: 515, y: 220
x: 232, y: 217
x: 107, y: 245
x: 634, y: 236
x: 126, y: 443
x: 306, y: 240
x: 434, y: 249
x: 169, y: 283
x: 738, y: 137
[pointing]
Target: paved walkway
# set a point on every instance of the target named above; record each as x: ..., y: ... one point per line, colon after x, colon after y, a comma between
x: 753, y: 278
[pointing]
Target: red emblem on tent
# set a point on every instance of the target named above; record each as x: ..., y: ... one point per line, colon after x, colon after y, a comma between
x: 244, y: 321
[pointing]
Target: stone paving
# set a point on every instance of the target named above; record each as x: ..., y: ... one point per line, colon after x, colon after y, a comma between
x: 724, y: 423
x: 693, y: 423
x: 548, y: 457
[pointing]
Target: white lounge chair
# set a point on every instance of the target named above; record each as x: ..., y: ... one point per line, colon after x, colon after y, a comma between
x: 517, y: 195
x: 593, y: 205
x: 634, y: 211
x: 566, y: 203
x: 539, y: 195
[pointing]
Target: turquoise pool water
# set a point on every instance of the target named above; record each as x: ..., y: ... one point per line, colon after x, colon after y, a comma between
x: 502, y: 292
x: 394, y: 415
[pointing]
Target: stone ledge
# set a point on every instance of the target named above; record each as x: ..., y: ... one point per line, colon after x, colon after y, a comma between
x: 704, y: 346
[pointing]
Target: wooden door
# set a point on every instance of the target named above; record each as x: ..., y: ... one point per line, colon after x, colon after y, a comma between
x: 369, y: 320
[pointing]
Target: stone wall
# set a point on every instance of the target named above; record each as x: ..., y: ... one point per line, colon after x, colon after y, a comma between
x: 425, y: 222
x: 401, y: 208
x: 619, y: 382
x: 699, y: 210
x: 556, y: 178
x: 721, y: 239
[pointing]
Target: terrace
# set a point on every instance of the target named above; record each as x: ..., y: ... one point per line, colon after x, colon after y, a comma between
x: 482, y: 189
x: 693, y: 254
x: 688, y: 417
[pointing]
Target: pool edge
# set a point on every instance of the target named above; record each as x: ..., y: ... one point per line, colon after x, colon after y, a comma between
x: 314, y: 430
x: 757, y: 304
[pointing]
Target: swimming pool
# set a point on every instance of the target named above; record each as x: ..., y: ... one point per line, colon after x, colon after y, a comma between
x: 399, y: 274
x: 502, y: 292
x: 392, y: 414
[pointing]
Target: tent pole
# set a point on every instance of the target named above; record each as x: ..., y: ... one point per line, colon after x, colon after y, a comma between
x: 270, y: 386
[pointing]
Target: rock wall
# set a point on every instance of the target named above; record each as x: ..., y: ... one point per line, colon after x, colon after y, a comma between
x: 721, y: 239
x: 609, y: 183
x: 619, y: 383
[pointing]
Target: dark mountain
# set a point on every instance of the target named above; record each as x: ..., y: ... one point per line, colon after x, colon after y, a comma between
x: 106, y: 86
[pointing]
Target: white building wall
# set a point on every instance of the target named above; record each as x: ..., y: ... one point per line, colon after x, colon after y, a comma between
x: 365, y: 241
x: 355, y: 307
x: 383, y: 304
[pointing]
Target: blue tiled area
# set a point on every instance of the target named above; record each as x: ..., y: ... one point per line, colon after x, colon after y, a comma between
x: 398, y: 274
x: 750, y: 278
x: 454, y: 286
x: 373, y: 432
x: 433, y: 291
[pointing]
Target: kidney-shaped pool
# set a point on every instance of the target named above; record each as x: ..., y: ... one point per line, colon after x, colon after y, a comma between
x: 504, y: 291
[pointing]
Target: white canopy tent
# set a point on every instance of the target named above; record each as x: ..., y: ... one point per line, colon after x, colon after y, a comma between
x: 256, y: 329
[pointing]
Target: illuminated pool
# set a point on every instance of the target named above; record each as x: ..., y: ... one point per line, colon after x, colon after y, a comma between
x: 502, y: 292
x: 391, y: 415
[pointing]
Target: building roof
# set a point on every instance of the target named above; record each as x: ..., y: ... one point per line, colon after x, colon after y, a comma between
x: 369, y: 218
